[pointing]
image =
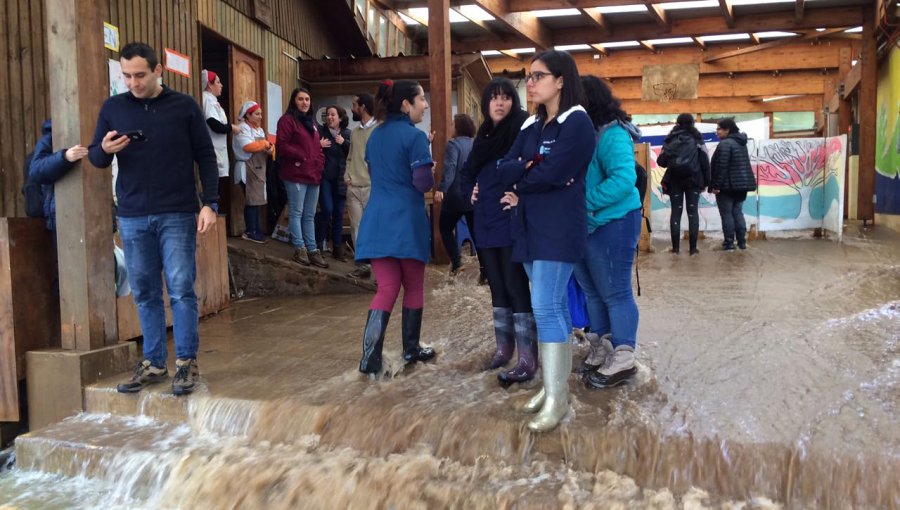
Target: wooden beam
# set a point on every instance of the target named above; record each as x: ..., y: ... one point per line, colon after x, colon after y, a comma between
x: 531, y: 5
x: 771, y: 44
x: 758, y: 84
x: 512, y: 55
x: 867, y: 114
x: 374, y: 69
x: 630, y: 62
x: 659, y: 15
x: 415, y: 17
x: 79, y: 78
x: 440, y: 88
x: 727, y: 12
x: 597, y: 19
x: 647, y: 46
x: 484, y: 26
x: 799, y: 7
x: 600, y: 49
x: 721, y: 104
x: 699, y: 42
x: 755, y: 38
x: 526, y: 24
x: 853, y: 79
x: 697, y: 27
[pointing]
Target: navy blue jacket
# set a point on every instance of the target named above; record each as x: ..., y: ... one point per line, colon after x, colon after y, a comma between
x: 46, y: 168
x: 157, y: 176
x: 550, y: 222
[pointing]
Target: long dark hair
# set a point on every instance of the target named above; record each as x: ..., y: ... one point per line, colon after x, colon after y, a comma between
x: 730, y: 125
x: 492, y: 142
x: 601, y: 105
x: 685, y: 122
x: 305, y: 119
x: 391, y: 94
x: 561, y: 64
x: 342, y: 115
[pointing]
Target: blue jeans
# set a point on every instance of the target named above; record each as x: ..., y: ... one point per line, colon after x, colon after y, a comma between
x: 605, y: 276
x: 330, y: 220
x: 549, y: 282
x: 163, y: 243
x: 302, y: 200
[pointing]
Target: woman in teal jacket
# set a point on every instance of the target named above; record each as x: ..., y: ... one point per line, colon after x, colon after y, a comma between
x: 614, y: 226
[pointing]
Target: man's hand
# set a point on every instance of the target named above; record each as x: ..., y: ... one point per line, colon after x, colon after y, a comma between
x: 75, y: 153
x: 438, y: 197
x: 111, y: 146
x: 206, y: 220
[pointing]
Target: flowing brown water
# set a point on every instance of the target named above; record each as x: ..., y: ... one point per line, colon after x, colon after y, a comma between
x: 769, y: 377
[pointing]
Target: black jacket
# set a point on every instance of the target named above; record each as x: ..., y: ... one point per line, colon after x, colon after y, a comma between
x: 336, y: 159
x: 46, y: 168
x: 731, y: 169
x: 700, y: 177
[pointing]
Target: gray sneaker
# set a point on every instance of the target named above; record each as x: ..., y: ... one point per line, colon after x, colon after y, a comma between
x: 301, y: 256
x: 144, y: 375
x: 316, y: 259
x: 185, y: 377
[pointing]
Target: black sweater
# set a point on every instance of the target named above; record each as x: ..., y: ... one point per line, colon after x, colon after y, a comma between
x: 157, y: 175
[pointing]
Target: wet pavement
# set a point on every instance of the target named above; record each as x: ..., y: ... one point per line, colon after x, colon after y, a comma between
x: 768, y: 377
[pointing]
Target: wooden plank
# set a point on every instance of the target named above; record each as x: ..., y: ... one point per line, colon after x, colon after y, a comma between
x: 853, y: 79
x: 741, y: 85
x: 771, y: 44
x: 16, y: 110
x: 440, y: 88
x: 867, y: 104
x: 78, y: 87
x: 7, y: 170
x: 727, y: 12
x: 722, y: 104
x: 28, y: 122
x: 9, y: 381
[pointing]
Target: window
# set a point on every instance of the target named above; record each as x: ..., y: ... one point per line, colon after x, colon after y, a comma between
x: 370, y: 22
x: 361, y: 8
x: 382, y: 36
x: 793, y: 121
x: 738, y: 117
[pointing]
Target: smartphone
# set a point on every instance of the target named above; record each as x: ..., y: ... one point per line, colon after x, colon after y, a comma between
x: 136, y: 136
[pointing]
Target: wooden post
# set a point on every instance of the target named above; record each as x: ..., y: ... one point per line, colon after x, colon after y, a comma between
x: 439, y: 78
x: 867, y: 118
x: 79, y: 84
x: 845, y: 117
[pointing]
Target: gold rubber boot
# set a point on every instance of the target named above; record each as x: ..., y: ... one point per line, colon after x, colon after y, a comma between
x: 556, y: 363
x: 536, y: 402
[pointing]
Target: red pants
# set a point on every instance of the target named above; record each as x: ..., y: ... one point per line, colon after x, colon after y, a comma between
x: 391, y: 273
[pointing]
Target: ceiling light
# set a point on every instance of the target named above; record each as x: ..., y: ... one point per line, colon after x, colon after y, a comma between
x: 550, y: 13
x: 621, y: 44
x: 616, y: 9
x: 475, y: 12
x: 854, y: 30
x: 571, y: 47
x: 724, y: 37
x: 775, y: 33
x: 696, y: 4
x: 671, y: 40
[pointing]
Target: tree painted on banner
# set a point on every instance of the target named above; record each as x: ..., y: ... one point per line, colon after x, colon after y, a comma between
x: 799, y: 164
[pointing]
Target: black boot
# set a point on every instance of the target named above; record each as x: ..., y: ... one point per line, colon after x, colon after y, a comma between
x: 373, y: 341
x: 676, y: 241
x: 412, y: 329
x: 526, y: 343
x: 741, y: 239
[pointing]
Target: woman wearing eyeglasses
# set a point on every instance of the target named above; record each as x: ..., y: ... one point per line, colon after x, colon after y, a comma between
x: 546, y: 167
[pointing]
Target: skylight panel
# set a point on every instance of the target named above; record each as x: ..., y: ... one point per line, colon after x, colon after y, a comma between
x: 671, y: 40
x: 491, y: 53
x: 854, y: 30
x: 406, y: 19
x: 572, y: 47
x: 620, y: 44
x: 550, y: 13
x: 724, y: 37
x: 760, y: 2
x: 697, y: 4
x: 522, y: 50
x: 617, y: 9
x: 775, y: 33
x: 475, y: 12
x: 456, y: 17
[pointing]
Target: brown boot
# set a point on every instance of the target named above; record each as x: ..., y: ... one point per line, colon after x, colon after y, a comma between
x: 301, y: 256
x: 316, y: 259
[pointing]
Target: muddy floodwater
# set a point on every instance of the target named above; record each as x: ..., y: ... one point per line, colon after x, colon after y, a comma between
x: 769, y: 378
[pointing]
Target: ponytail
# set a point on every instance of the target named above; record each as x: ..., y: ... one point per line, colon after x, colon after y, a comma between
x: 391, y: 94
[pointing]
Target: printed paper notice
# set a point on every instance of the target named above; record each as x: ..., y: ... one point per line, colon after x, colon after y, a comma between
x: 178, y: 63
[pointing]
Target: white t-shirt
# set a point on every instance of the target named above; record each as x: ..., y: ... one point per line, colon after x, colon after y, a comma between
x: 213, y: 110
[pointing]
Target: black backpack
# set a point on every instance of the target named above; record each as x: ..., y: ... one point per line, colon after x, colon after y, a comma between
x: 34, y: 192
x: 683, y: 158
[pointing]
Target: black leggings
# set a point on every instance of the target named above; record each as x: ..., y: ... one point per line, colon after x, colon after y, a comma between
x: 677, y: 198
x: 508, y: 281
x: 447, y: 225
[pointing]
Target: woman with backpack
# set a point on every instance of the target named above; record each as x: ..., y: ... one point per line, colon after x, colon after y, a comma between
x: 453, y: 204
x: 732, y: 179
x: 614, y: 226
x: 686, y: 162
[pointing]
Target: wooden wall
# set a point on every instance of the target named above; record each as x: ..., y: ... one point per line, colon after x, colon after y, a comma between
x: 299, y: 23
x: 23, y: 102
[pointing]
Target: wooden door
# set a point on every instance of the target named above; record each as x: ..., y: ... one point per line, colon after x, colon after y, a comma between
x: 247, y: 84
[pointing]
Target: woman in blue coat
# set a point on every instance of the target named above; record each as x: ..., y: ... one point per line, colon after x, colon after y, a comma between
x: 394, y: 233
x: 546, y: 166
x: 614, y: 226
x: 514, y: 326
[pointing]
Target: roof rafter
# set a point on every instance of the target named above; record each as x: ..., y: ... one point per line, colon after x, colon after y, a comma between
x: 798, y: 9
x: 600, y: 49
x: 699, y: 42
x: 659, y: 15
x: 772, y: 44
x: 727, y: 12
x: 476, y: 21
x: 647, y: 46
x: 597, y: 19
x: 525, y: 24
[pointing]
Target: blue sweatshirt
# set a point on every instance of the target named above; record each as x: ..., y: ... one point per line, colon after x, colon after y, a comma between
x: 609, y: 185
x: 46, y: 168
x: 157, y: 175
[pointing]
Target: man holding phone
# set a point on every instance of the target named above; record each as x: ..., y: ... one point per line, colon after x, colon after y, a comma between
x: 157, y: 134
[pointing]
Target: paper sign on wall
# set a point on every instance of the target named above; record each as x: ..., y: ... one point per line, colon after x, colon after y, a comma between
x: 110, y: 37
x: 178, y: 63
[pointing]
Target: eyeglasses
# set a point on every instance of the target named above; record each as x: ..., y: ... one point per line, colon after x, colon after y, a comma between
x: 536, y: 76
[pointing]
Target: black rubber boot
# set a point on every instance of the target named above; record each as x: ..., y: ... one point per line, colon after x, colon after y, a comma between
x: 373, y: 341
x: 676, y: 241
x: 526, y: 343
x: 741, y: 239
x: 412, y: 329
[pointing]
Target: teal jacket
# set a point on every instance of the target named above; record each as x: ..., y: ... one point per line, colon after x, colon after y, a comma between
x: 609, y: 185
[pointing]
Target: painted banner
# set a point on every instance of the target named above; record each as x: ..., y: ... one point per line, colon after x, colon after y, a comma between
x: 800, y: 186
x: 887, y: 141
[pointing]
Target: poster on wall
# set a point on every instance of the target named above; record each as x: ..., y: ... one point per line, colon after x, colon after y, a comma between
x: 274, y: 108
x: 110, y: 36
x: 178, y: 63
